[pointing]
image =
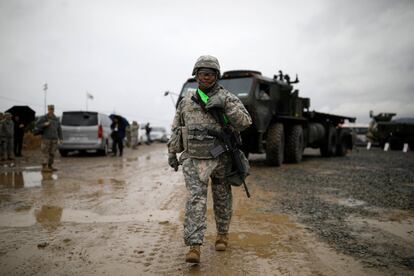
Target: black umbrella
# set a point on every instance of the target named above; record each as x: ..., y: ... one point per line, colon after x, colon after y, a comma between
x: 121, y: 119
x: 25, y: 113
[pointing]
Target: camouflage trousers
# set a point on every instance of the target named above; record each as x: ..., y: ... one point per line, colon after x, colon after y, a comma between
x: 48, y: 147
x: 196, y: 174
x: 2, y: 148
x: 6, y: 147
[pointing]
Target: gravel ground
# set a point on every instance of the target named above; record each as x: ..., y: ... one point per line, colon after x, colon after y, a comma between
x: 361, y: 205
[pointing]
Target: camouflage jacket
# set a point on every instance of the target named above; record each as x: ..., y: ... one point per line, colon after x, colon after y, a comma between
x: 7, y: 129
x: 51, y: 132
x: 1, y: 128
x: 191, y: 122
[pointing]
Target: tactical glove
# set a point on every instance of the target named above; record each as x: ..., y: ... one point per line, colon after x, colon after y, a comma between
x: 172, y: 161
x: 217, y: 101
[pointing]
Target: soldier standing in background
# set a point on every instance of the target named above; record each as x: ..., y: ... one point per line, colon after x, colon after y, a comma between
x: 18, y: 136
x: 148, y: 130
x: 51, y: 135
x: 2, y: 138
x: 8, y: 134
x: 134, y: 134
x: 190, y: 136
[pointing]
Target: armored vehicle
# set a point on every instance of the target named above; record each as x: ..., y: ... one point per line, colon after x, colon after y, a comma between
x: 383, y: 129
x: 282, y: 125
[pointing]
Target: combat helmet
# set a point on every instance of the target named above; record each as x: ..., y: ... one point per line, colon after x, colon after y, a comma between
x: 206, y: 61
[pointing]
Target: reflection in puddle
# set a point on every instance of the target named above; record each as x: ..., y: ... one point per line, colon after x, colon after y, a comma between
x: 51, y: 216
x: 116, y: 181
x: 27, y: 179
x: 349, y: 202
x: 33, y: 168
x: 20, y: 219
x: 113, y: 182
x: 132, y: 159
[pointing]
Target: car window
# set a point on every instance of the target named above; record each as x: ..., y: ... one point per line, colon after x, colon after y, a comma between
x: 238, y: 86
x: 80, y: 119
x: 189, y: 87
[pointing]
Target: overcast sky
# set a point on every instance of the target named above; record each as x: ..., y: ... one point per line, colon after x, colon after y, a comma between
x: 351, y: 56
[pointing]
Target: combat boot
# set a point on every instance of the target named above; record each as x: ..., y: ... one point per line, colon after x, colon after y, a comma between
x: 193, y: 255
x: 46, y: 169
x: 222, y: 241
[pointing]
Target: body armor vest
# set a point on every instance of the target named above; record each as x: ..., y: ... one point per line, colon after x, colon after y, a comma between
x: 197, y: 122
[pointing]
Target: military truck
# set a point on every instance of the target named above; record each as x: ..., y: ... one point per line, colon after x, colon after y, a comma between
x: 283, y: 126
x: 397, y: 132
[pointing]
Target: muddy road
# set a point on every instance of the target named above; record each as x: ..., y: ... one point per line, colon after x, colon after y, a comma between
x: 123, y: 216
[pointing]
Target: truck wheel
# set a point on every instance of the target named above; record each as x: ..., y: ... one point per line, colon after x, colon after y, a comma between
x: 328, y: 147
x: 274, y: 145
x: 342, y: 146
x: 294, y: 144
x: 395, y: 143
x: 63, y: 153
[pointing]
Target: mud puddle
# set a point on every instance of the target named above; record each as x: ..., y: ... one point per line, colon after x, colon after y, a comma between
x: 24, y: 179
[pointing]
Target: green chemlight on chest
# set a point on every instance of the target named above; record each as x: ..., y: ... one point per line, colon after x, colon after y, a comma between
x: 204, y: 98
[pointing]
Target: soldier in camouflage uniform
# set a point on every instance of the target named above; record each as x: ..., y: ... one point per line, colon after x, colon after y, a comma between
x: 189, y: 136
x: 8, y: 135
x: 2, y: 138
x: 51, y: 135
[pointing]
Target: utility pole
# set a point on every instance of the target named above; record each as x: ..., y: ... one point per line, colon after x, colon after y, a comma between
x: 45, y: 89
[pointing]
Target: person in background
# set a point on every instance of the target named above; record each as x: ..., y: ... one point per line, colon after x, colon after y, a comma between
x: 49, y: 124
x: 8, y: 133
x: 18, y: 136
x: 148, y: 133
x: 117, y: 135
x: 2, y: 138
x: 134, y: 134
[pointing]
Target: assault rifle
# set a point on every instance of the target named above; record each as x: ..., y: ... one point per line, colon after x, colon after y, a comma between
x: 231, y: 141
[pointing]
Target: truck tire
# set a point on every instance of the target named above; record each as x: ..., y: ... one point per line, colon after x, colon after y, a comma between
x: 342, y: 146
x: 275, y: 141
x: 294, y: 144
x: 395, y: 143
x: 328, y: 147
